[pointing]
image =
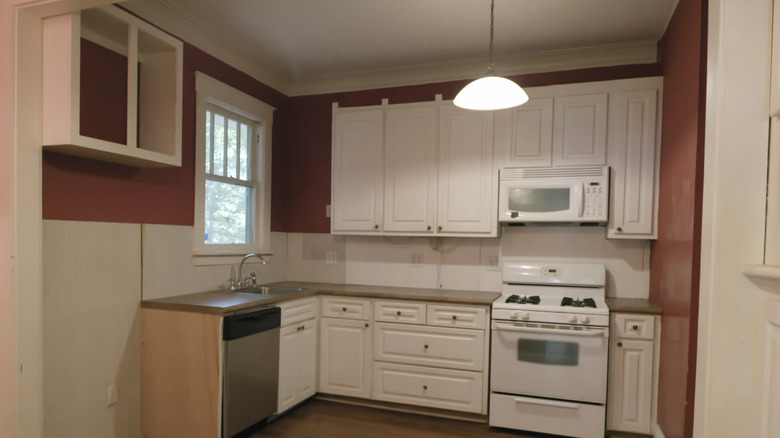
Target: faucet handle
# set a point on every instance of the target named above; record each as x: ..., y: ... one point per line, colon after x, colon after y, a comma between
x: 253, y: 277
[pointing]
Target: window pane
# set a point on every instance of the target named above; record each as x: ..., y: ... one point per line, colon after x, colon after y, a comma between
x: 219, y: 145
x: 243, y: 170
x: 232, y: 151
x: 209, y: 128
x: 228, y: 218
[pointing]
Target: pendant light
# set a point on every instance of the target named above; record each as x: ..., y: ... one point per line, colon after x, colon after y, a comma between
x: 491, y: 92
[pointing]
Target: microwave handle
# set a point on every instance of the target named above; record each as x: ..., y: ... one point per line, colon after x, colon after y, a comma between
x: 579, y: 195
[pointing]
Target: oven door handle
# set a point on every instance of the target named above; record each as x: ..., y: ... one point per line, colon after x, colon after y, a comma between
x: 543, y: 402
x: 514, y: 328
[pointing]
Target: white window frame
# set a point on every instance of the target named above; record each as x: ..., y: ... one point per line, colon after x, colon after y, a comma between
x: 209, y: 91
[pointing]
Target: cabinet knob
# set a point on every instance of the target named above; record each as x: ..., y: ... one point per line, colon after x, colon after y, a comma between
x: 454, y: 317
x: 619, y: 344
x: 398, y: 313
x: 343, y: 309
x: 376, y: 227
x: 634, y: 327
x: 619, y: 229
x: 425, y: 346
x: 440, y: 228
x: 425, y: 387
x: 366, y: 324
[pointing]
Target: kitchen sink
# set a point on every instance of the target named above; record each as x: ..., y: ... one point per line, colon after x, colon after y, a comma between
x: 270, y: 290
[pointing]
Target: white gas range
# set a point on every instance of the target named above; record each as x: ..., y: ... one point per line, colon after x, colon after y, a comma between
x: 550, y: 338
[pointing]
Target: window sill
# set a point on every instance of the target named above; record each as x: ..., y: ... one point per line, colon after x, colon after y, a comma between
x: 226, y: 258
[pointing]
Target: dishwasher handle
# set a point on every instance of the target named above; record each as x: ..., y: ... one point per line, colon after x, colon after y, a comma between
x: 250, y: 323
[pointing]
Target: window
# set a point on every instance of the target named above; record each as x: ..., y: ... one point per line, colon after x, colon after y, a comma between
x: 232, y: 170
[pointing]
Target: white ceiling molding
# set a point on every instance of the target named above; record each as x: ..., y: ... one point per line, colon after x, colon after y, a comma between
x: 560, y: 60
x: 179, y: 23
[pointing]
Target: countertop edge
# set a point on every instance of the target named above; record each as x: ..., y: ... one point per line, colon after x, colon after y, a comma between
x: 641, y: 306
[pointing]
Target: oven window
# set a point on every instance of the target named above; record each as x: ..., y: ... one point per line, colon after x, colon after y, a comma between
x: 538, y: 200
x: 548, y: 352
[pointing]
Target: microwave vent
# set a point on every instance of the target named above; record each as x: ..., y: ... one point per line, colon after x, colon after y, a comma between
x: 508, y: 173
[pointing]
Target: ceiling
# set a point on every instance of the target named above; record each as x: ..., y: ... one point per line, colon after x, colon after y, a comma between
x: 301, y: 46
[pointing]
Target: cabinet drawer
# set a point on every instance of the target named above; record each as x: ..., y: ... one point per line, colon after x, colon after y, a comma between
x: 399, y: 311
x: 433, y: 346
x: 634, y: 326
x: 457, y: 316
x: 298, y: 310
x: 432, y: 387
x: 349, y: 308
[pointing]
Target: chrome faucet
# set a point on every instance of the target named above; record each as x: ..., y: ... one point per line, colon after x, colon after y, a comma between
x: 241, y: 282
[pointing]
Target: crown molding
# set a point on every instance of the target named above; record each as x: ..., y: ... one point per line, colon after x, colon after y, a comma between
x: 182, y: 25
x: 643, y: 52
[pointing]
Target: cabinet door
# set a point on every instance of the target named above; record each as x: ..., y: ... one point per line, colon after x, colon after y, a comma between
x: 528, y: 138
x: 289, y: 337
x: 468, y: 184
x: 410, y: 168
x: 357, y: 170
x: 345, y: 357
x: 630, y: 394
x: 580, y: 130
x: 307, y: 360
x: 633, y: 159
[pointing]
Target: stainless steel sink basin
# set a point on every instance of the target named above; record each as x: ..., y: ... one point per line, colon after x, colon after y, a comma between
x: 270, y: 290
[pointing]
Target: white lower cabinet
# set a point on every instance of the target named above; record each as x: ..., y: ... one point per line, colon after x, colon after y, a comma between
x: 632, y: 365
x: 297, y: 353
x: 345, y: 348
x: 432, y: 346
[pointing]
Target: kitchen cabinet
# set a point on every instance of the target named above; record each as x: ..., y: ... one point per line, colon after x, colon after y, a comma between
x: 634, y: 159
x: 632, y: 373
x: 357, y: 181
x: 297, y: 352
x: 141, y: 126
x: 413, y: 169
x: 345, y: 347
x: 423, y: 356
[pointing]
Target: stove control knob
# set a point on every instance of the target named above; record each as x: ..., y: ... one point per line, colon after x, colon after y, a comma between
x: 513, y: 315
x: 525, y: 315
x: 573, y: 318
x: 585, y: 320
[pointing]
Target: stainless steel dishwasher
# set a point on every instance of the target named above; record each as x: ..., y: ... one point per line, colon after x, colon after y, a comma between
x: 251, y: 369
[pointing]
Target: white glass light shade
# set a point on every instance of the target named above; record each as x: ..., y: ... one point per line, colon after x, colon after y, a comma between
x: 490, y: 93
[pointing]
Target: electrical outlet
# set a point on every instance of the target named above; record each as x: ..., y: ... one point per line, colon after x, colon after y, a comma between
x: 417, y: 259
x: 113, y: 394
x: 331, y: 257
x: 327, y: 211
x: 492, y: 262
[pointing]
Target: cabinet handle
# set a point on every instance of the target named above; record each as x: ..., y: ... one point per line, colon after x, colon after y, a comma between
x: 635, y: 327
x: 454, y: 317
x: 398, y: 313
x: 619, y: 229
x: 440, y: 228
x: 343, y: 309
x: 429, y: 227
x: 376, y: 227
x: 366, y: 324
x: 425, y: 387
x: 425, y: 346
x: 620, y: 344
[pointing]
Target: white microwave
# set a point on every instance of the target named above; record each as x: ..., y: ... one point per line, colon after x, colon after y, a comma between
x: 555, y: 194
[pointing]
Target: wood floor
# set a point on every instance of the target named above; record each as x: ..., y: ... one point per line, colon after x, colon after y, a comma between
x: 326, y: 419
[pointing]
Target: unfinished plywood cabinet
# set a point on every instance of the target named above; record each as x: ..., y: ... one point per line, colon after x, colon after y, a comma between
x: 126, y: 111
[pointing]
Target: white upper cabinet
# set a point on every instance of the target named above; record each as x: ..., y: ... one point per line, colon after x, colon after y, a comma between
x: 634, y: 160
x: 135, y: 118
x: 580, y: 130
x: 468, y: 184
x: 410, y: 167
x: 357, y: 189
x: 527, y: 130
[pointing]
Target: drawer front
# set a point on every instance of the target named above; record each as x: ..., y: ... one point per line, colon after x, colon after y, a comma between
x: 432, y: 346
x: 399, y: 311
x: 457, y: 316
x: 634, y: 326
x: 349, y: 308
x: 431, y: 387
x: 546, y: 415
x: 298, y: 310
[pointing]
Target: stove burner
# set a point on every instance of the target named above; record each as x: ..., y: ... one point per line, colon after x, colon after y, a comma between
x: 587, y: 302
x: 517, y: 299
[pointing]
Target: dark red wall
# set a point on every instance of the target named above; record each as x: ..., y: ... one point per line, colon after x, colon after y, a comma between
x: 675, y: 256
x: 87, y: 190
x: 307, y: 152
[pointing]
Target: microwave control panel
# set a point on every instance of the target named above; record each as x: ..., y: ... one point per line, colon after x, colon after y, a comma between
x: 594, y: 201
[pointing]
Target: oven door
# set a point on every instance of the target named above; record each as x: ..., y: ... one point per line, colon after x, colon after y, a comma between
x: 550, y: 360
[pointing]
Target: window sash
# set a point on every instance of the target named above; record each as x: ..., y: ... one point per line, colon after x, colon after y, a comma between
x: 219, y: 162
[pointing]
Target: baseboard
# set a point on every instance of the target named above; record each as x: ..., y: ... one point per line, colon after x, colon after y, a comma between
x: 657, y: 432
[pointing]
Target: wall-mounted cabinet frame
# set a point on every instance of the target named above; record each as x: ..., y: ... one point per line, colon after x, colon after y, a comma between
x: 152, y: 108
